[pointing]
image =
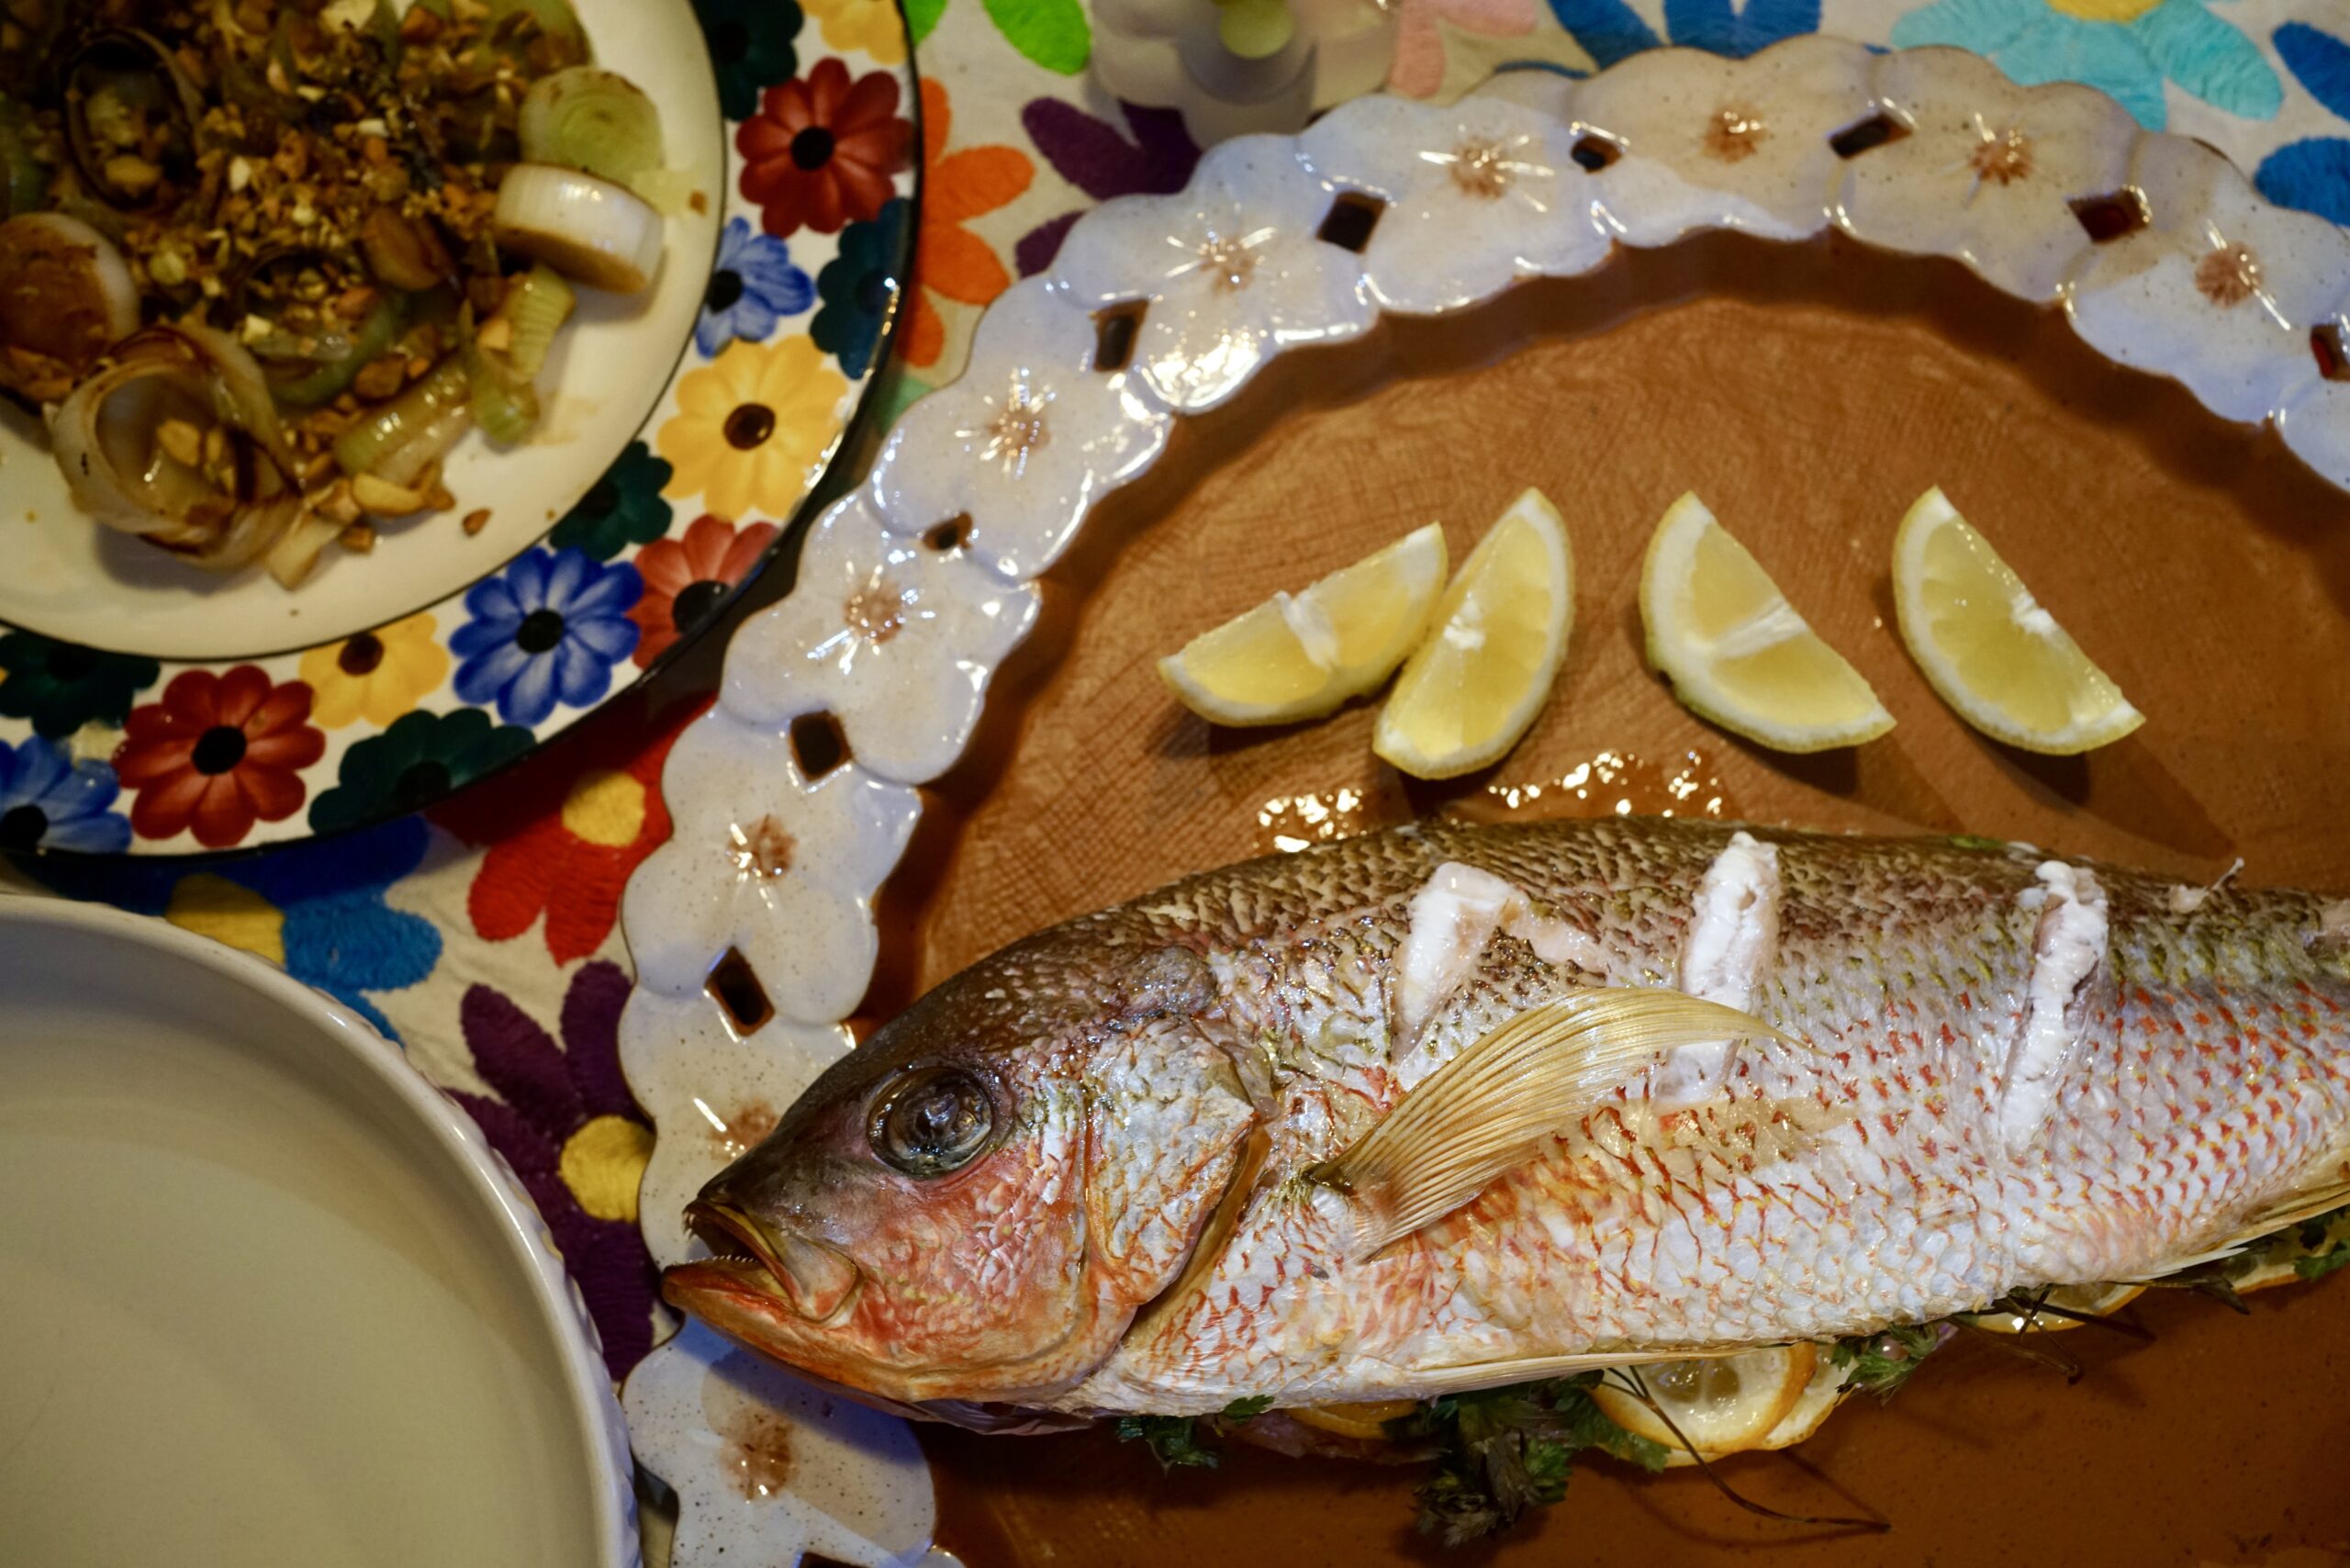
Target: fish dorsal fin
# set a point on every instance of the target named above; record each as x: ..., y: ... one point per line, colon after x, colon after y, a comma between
x: 1484, y: 1110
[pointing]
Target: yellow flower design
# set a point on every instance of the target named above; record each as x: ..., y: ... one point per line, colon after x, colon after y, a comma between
x: 753, y: 428
x: 376, y: 675
x: 868, y: 25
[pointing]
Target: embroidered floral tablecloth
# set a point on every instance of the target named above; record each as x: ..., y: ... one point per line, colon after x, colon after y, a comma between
x: 483, y: 935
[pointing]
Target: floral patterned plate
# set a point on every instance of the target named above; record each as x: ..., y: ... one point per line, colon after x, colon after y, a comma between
x: 150, y: 708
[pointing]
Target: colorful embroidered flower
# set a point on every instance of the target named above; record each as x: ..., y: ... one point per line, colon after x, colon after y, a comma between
x: 685, y: 580
x: 63, y: 686
x: 548, y: 628
x: 219, y: 752
x: 564, y: 836
x: 413, y: 763
x: 754, y: 427
x: 1418, y: 69
x: 858, y: 286
x: 1091, y: 154
x: 623, y: 508
x: 753, y: 286
x: 1609, y: 31
x: 949, y: 258
x: 750, y: 49
x: 47, y: 801
x: 565, y: 1123
x: 2127, y: 47
x: 821, y: 151
x: 376, y: 675
x: 867, y: 26
x: 2312, y: 173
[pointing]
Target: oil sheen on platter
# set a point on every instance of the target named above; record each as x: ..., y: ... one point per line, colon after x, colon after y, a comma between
x: 1809, y: 394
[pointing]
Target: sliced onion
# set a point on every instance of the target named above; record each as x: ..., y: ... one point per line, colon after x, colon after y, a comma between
x: 105, y: 439
x: 598, y: 233
x: 65, y: 296
x: 592, y: 120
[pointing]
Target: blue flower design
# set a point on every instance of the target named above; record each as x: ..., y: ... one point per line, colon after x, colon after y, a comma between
x: 2067, y: 40
x: 548, y: 628
x: 2312, y: 173
x: 317, y: 908
x: 753, y: 286
x: 49, y: 800
x: 1610, y: 30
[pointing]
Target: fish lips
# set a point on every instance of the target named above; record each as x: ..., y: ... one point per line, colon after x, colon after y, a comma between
x: 815, y: 1279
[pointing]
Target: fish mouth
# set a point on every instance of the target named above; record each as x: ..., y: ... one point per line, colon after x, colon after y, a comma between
x: 815, y: 1279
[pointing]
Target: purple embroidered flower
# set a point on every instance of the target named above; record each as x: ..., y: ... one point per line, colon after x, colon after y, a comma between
x: 1092, y: 156
x: 549, y: 628
x: 567, y: 1125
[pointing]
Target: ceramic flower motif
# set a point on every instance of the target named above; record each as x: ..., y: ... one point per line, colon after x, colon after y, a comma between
x: 859, y: 288
x: 376, y: 675
x: 218, y: 754
x: 1230, y: 271
x: 562, y: 839
x: 2125, y: 47
x: 894, y: 637
x: 752, y: 287
x: 547, y: 630
x: 63, y: 686
x: 564, y: 1120
x: 780, y: 868
x: 866, y: 27
x: 419, y: 757
x: 1025, y: 442
x: 1476, y: 195
x: 754, y: 427
x: 50, y: 800
x: 822, y: 151
x: 750, y: 44
x: 949, y: 260
x: 622, y: 509
x: 687, y: 581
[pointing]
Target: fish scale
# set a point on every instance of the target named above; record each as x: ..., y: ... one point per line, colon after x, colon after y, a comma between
x: 1855, y: 1176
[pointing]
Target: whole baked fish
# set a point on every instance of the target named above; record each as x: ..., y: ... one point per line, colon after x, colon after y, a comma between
x: 1451, y: 1107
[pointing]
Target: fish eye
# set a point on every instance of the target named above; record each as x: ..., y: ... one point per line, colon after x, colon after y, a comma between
x: 931, y: 1121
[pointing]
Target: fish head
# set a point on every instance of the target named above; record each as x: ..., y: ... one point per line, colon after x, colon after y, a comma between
x: 973, y: 1204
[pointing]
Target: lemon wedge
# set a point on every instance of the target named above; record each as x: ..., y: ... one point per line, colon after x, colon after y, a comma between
x: 1987, y: 647
x: 1734, y: 648
x: 2070, y: 1304
x: 1300, y: 656
x: 1475, y: 686
x: 1723, y: 1404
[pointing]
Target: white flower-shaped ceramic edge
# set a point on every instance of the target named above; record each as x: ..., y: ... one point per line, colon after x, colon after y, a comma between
x: 1988, y: 171
x: 1475, y: 197
x: 894, y: 637
x: 1025, y: 441
x: 767, y: 1469
x: 714, y: 1094
x: 1712, y: 143
x: 769, y: 864
x: 1230, y: 271
x: 2219, y: 289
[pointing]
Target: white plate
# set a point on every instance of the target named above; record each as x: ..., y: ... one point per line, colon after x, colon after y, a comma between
x: 269, y: 1297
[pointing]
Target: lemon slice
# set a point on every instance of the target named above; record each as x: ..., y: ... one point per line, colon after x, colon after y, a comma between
x: 1988, y: 648
x: 1723, y: 1404
x: 1300, y: 656
x: 1736, y: 651
x: 2078, y: 1301
x: 1475, y: 686
x: 1366, y: 1423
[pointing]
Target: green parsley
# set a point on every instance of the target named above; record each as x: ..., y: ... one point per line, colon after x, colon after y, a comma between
x: 1175, y: 1442
x: 1882, y: 1362
x: 1506, y: 1450
x: 1249, y: 1408
x: 2317, y: 1265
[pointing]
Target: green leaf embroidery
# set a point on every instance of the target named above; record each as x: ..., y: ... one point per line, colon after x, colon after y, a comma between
x: 922, y: 16
x: 1053, y: 33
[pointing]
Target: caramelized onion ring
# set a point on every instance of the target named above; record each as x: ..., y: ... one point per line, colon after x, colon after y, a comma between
x: 107, y: 442
x: 65, y: 295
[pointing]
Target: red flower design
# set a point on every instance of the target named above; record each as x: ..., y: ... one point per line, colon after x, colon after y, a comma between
x: 820, y: 151
x: 685, y: 580
x: 565, y: 836
x: 215, y: 753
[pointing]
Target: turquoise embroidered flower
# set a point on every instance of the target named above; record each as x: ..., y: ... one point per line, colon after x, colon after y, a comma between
x: 2125, y: 47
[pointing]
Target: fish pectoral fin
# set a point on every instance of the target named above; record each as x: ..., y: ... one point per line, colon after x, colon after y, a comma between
x: 1489, y: 1108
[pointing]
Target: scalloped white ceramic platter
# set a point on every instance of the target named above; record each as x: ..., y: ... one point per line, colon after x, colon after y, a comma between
x: 1150, y: 378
